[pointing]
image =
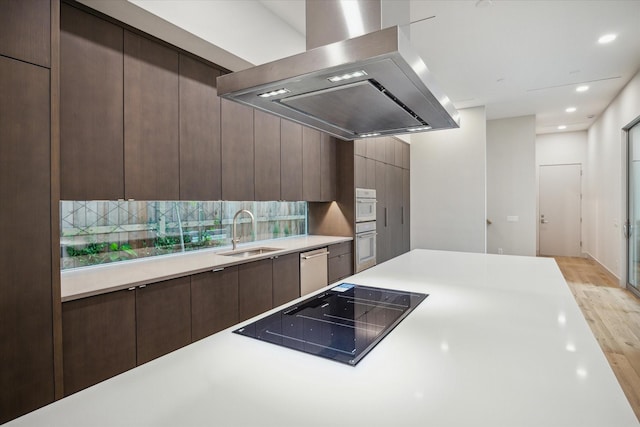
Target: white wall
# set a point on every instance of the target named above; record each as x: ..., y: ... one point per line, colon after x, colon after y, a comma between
x: 561, y: 148
x: 511, y: 186
x: 606, y: 187
x: 448, y: 181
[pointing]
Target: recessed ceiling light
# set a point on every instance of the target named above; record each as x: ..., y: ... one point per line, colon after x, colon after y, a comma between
x: 570, y: 109
x: 607, y: 38
x: 562, y: 127
x: 582, y: 88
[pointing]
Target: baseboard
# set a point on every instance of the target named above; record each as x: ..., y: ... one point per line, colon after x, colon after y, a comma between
x: 609, y: 273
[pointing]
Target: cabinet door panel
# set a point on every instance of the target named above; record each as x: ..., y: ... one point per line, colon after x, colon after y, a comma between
x: 370, y: 178
x: 163, y: 318
x: 200, y: 168
x: 151, y: 123
x: 406, y: 211
x: 310, y: 164
x: 255, y: 288
x: 214, y: 302
x: 389, y: 148
x: 291, y: 161
x: 394, y: 207
x: 340, y: 249
x: 267, y: 157
x: 406, y: 156
x: 26, y: 345
x: 25, y: 30
x: 360, y: 172
x: 328, y: 169
x: 340, y: 266
x: 237, y: 151
x: 99, y: 338
x: 397, y: 152
x: 360, y: 147
x: 286, y: 278
x: 381, y: 212
x: 91, y: 107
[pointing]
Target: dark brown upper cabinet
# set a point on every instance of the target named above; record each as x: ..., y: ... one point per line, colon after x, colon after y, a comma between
x: 267, y: 156
x: 237, y: 151
x: 406, y: 156
x: 360, y: 147
x: 328, y: 171
x: 26, y: 344
x: 397, y: 152
x: 91, y: 107
x: 151, y: 120
x: 200, y: 165
x: 25, y: 30
x: 311, y: 164
x: 360, y: 170
x: 291, y: 161
x: 389, y: 147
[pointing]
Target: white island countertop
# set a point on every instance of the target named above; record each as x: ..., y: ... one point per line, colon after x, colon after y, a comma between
x: 499, y: 342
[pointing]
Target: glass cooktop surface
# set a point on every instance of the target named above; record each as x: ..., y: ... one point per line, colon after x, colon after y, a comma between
x: 343, y: 323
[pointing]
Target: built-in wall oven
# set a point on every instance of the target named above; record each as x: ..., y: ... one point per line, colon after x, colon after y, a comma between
x: 365, y: 228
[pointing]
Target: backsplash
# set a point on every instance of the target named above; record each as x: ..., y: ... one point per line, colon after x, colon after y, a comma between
x: 98, y: 232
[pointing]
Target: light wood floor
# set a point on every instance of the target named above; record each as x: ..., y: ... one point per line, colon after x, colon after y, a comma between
x: 613, y: 314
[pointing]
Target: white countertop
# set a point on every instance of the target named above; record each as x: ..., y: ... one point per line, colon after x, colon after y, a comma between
x: 500, y: 341
x: 87, y: 281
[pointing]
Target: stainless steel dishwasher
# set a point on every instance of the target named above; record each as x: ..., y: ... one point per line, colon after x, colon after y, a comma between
x: 313, y: 270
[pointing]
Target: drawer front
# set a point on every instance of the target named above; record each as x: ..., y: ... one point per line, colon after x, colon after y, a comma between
x: 340, y: 266
x: 340, y: 249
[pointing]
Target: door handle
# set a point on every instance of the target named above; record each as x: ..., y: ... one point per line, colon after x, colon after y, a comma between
x: 314, y: 256
x: 544, y: 221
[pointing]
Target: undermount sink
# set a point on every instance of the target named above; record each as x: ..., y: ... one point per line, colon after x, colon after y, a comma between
x: 249, y: 252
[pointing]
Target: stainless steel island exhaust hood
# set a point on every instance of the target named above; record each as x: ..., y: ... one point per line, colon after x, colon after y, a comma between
x: 371, y: 85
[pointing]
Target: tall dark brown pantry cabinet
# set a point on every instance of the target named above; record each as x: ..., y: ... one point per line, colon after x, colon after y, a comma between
x: 28, y: 124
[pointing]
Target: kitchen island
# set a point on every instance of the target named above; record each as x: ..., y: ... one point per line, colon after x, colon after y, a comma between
x: 500, y: 341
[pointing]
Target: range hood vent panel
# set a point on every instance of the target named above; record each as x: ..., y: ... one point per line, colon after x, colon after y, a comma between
x: 355, y: 107
x: 348, y: 109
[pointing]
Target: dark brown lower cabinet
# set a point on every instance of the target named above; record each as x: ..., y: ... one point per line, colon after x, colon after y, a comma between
x: 340, y: 262
x: 163, y: 318
x: 214, y: 302
x: 99, y: 338
x: 286, y: 278
x: 255, y: 288
x: 406, y: 211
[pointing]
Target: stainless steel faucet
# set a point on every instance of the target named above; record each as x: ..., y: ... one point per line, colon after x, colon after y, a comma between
x: 234, y: 239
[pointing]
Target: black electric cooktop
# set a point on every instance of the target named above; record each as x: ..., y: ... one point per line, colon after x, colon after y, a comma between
x: 341, y: 324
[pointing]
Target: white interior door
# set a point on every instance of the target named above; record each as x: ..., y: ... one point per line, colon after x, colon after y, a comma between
x: 560, y: 210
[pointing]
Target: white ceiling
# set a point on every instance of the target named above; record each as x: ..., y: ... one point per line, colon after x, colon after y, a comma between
x: 515, y: 57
